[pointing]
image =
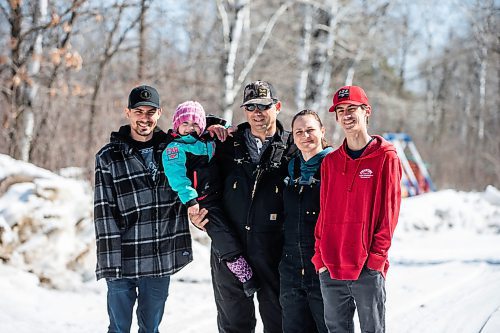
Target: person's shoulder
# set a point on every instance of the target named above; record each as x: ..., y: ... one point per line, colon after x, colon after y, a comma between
x: 207, y: 137
x: 212, y: 119
x: 108, y: 148
x: 387, y: 147
x: 163, y: 139
x: 282, y: 132
x: 109, y: 154
x: 331, y: 156
x: 392, y: 154
x: 228, y: 144
x: 237, y: 137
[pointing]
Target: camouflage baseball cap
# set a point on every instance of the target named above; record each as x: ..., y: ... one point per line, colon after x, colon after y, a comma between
x: 258, y: 92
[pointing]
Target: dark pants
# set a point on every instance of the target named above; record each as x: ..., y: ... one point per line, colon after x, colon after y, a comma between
x: 300, y: 296
x: 302, y: 310
x: 151, y: 294
x: 342, y: 297
x: 235, y: 311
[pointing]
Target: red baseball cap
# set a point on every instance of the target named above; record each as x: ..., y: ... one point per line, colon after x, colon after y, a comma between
x: 349, y: 95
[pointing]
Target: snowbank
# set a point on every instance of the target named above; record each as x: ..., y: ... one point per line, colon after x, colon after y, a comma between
x: 449, y: 210
x: 45, y: 224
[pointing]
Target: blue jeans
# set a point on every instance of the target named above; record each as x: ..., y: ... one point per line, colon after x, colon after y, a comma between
x: 151, y: 294
x: 342, y: 297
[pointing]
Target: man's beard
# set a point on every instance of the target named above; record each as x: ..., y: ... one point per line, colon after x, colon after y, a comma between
x: 144, y: 132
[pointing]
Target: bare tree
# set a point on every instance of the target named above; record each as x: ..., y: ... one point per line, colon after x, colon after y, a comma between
x: 373, y: 22
x: 113, y: 42
x: 232, y: 29
x: 26, y: 56
x: 72, y: 60
x: 303, y: 56
x: 145, y: 4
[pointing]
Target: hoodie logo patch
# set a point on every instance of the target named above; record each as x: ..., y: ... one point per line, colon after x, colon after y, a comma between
x: 366, y: 173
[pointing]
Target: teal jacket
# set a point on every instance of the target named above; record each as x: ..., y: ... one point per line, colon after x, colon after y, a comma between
x: 190, y: 168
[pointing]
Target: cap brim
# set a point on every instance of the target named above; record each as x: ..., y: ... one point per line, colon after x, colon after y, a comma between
x: 265, y: 101
x: 144, y: 104
x: 332, y: 108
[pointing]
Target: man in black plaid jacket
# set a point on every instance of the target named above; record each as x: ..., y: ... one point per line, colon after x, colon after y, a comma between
x: 142, y: 230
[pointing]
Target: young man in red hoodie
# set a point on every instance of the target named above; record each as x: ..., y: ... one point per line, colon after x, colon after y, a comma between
x: 360, y: 198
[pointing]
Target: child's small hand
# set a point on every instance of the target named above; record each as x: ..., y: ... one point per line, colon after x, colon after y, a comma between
x: 194, y: 210
x: 198, y: 219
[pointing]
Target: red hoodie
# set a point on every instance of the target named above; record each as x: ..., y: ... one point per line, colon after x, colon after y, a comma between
x: 359, y: 201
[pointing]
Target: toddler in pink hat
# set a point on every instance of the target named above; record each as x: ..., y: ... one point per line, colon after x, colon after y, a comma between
x: 189, y: 115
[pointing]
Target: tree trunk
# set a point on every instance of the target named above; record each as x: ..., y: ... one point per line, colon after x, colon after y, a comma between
x: 232, y: 34
x: 483, y: 66
x: 303, y: 58
x: 142, y: 40
x: 58, y: 67
x: 31, y: 86
x: 232, y: 38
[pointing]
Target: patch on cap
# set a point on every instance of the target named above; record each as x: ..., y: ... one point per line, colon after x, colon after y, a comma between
x: 258, y: 92
x: 343, y: 93
x: 143, y: 96
x: 349, y: 95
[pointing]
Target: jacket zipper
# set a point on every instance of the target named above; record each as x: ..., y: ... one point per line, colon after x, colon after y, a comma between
x: 259, y: 172
x: 301, y: 217
x: 257, y: 177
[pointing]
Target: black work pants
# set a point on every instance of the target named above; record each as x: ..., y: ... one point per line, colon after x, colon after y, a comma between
x: 235, y: 311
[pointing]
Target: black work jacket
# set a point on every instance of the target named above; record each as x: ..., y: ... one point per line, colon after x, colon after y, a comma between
x: 252, y: 195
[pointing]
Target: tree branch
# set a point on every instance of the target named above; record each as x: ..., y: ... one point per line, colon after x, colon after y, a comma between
x: 260, y: 46
x: 72, y: 8
x: 225, y: 24
x: 124, y: 34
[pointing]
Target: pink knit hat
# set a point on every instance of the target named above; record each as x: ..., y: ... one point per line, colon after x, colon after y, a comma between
x: 189, y: 111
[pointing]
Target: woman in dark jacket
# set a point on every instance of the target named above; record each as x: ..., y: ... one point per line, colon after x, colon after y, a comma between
x: 300, y: 294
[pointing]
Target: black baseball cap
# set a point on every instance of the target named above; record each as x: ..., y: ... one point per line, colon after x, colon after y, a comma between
x: 258, y: 92
x: 143, y: 96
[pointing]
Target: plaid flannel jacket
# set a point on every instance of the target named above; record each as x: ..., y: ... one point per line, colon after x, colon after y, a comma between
x: 140, y: 224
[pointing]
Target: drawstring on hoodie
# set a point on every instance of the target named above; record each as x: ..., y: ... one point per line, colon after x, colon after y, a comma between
x: 344, y: 172
x: 349, y: 189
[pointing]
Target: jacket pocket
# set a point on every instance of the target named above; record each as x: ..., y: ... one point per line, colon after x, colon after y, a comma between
x: 343, y: 245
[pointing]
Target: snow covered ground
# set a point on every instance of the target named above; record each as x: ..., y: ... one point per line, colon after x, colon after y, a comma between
x: 444, y: 275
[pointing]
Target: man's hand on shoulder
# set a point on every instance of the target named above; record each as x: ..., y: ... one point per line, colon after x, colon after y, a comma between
x: 221, y: 132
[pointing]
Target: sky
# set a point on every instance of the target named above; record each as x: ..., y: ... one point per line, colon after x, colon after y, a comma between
x: 445, y: 263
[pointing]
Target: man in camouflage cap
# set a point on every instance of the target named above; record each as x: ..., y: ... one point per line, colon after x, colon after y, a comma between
x: 253, y: 163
